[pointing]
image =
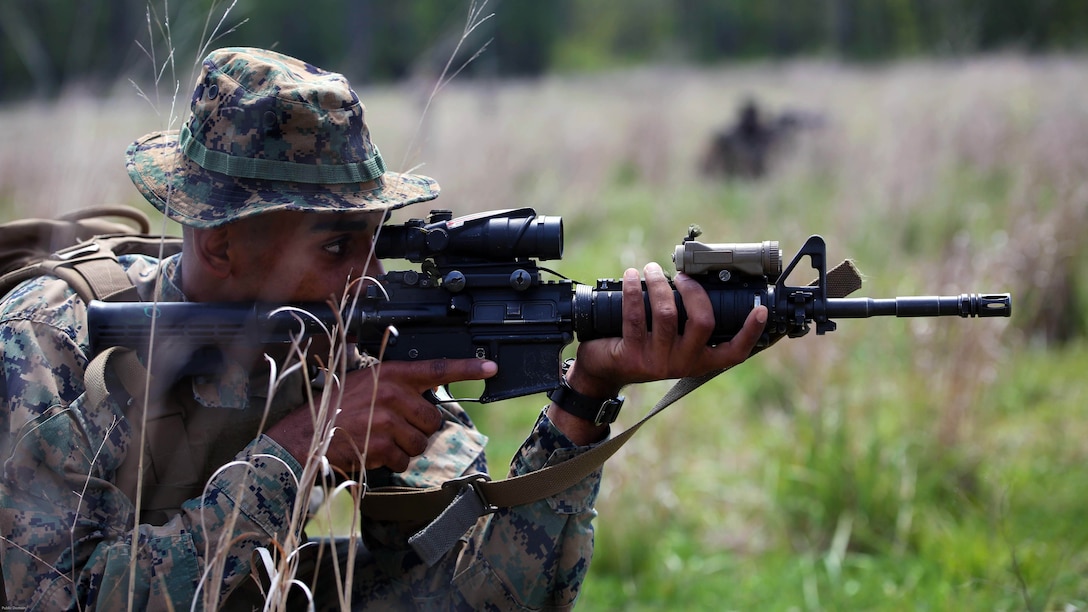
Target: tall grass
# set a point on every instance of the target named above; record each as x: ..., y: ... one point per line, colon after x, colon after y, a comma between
x: 933, y: 464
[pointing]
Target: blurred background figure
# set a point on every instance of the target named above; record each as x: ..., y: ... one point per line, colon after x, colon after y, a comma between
x: 751, y: 145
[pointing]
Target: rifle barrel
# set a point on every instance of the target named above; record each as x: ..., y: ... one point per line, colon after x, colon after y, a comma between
x: 964, y: 305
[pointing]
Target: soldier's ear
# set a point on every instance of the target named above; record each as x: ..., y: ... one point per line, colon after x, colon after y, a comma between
x: 212, y: 250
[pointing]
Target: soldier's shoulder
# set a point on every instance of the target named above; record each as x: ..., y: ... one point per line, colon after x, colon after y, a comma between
x: 43, y: 299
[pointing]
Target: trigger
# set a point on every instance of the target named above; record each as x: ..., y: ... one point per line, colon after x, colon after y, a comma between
x: 438, y: 395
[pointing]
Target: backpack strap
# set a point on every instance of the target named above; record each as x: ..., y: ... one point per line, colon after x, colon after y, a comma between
x: 133, y: 377
x: 92, y: 270
x: 156, y: 428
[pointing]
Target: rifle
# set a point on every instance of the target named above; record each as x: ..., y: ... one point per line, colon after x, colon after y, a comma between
x: 478, y: 292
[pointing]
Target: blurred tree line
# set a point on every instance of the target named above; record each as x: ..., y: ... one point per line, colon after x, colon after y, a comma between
x: 45, y: 44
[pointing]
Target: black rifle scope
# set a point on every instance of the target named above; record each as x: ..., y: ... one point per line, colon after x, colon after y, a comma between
x: 491, y: 236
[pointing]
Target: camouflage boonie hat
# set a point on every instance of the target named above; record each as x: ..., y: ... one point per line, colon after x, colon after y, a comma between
x: 268, y: 132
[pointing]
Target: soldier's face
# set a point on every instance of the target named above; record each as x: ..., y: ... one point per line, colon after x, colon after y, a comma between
x: 293, y: 256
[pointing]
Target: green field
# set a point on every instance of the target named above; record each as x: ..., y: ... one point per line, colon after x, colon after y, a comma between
x: 893, y: 464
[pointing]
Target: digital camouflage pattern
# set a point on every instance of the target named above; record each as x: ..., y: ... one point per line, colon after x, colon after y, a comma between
x: 268, y: 132
x: 67, y: 528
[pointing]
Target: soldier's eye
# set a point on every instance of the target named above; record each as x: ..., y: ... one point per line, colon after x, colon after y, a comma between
x: 338, y: 247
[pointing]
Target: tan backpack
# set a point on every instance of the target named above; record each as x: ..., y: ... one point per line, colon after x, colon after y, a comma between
x: 80, y: 248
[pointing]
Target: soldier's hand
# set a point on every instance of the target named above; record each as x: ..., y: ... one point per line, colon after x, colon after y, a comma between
x: 385, y: 420
x: 603, y: 366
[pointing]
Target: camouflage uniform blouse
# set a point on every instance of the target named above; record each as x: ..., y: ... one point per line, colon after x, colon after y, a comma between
x: 66, y: 529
